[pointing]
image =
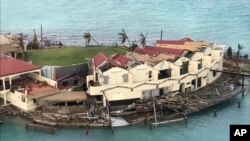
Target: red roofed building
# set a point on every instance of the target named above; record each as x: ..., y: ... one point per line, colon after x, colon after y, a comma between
x: 146, y: 51
x: 9, y: 66
x: 185, y: 43
x: 173, y: 51
x: 121, y: 59
x: 99, y: 59
x: 153, y: 51
x: 21, y: 81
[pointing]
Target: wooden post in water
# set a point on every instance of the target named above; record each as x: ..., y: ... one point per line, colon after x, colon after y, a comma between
x: 41, y: 36
x: 155, y: 112
x: 243, y: 83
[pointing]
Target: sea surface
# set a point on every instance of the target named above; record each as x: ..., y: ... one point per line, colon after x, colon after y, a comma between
x: 202, y: 126
x: 224, y: 21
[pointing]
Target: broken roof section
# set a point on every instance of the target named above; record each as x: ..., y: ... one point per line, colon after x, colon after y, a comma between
x: 116, y: 60
x: 185, y: 43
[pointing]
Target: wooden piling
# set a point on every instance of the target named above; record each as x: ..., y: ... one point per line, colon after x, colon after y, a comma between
x: 215, y: 113
x: 239, y: 104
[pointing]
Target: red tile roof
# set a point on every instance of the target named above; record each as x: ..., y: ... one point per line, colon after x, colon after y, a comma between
x: 122, y: 59
x: 165, y: 50
x: 146, y: 51
x: 116, y: 60
x: 152, y: 50
x: 99, y: 59
x: 176, y: 42
x: 9, y: 66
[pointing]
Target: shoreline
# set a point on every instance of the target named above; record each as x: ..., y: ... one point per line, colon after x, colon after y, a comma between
x: 66, y: 119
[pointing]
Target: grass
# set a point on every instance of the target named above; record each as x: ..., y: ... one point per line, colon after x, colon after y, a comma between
x: 68, y: 55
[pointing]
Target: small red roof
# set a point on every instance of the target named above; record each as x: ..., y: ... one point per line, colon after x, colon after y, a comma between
x: 116, y: 60
x: 175, y: 42
x: 165, y: 50
x: 99, y: 59
x: 9, y: 66
x: 122, y: 59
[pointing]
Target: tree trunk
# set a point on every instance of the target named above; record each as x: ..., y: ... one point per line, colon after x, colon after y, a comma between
x: 95, y: 41
x: 129, y: 42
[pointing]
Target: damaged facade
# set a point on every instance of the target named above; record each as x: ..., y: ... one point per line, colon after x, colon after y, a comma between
x: 172, y: 66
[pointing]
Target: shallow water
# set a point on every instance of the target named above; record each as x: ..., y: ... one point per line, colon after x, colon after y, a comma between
x: 202, y: 126
x: 224, y: 21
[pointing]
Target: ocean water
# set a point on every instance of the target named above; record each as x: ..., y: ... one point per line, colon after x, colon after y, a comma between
x: 225, y: 21
x: 202, y: 126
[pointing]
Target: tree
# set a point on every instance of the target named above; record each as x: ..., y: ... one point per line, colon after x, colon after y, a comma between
x: 123, y: 37
x: 88, y: 37
x: 240, y: 47
x: 21, y: 44
x: 143, y: 39
x: 34, y: 43
x: 229, y: 52
x: 133, y: 46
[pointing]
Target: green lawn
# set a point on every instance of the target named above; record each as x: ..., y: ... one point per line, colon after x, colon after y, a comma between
x: 68, y: 55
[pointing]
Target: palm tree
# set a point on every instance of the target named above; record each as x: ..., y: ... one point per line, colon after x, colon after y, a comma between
x: 133, y: 46
x: 21, y: 44
x: 143, y: 39
x: 124, y: 37
x: 240, y: 47
x: 229, y: 52
x: 88, y: 37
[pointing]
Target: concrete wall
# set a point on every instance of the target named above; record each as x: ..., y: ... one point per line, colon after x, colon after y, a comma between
x: 41, y: 78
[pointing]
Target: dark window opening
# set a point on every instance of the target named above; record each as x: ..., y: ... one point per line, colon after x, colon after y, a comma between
x: 200, y: 64
x: 193, y: 83
x: 96, y: 77
x: 161, y: 91
x: 150, y: 74
x: 199, y: 82
x: 184, y: 68
x: 214, y: 73
x: 164, y: 74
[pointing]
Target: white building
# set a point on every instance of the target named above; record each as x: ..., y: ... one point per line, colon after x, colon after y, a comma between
x: 21, y: 83
x: 154, y: 71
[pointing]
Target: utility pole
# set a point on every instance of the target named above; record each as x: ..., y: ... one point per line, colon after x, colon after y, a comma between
x: 41, y: 36
x: 161, y: 34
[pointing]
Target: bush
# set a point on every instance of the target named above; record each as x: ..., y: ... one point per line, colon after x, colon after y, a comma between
x: 32, y: 45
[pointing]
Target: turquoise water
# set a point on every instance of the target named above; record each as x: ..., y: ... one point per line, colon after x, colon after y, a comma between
x: 224, y: 21
x: 200, y: 127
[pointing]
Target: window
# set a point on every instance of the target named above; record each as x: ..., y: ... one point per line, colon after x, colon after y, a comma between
x: 105, y: 79
x: 23, y: 98
x: 200, y: 64
x: 214, y: 73
x: 125, y: 77
x: 184, y: 68
x: 96, y: 77
x: 199, y: 82
x: 150, y: 74
x: 164, y: 74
